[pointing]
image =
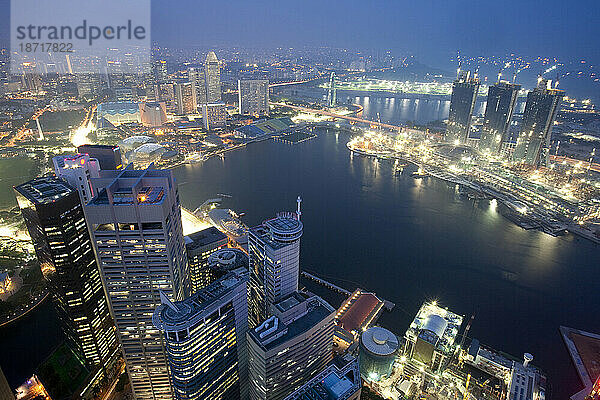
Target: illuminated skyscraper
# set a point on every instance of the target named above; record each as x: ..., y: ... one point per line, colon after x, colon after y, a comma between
x: 198, y: 247
x: 196, y: 76
x: 534, y: 136
x: 462, y: 102
x: 288, y: 349
x: 185, y: 98
x: 135, y: 221
x: 212, y: 75
x: 55, y: 220
x: 160, y: 71
x: 274, y: 250
x: 253, y: 96
x: 77, y: 170
x: 205, y: 338
x: 501, y: 101
x: 214, y: 116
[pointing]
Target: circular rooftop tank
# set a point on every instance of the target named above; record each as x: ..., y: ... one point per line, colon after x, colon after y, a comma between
x: 436, y: 324
x: 379, y: 341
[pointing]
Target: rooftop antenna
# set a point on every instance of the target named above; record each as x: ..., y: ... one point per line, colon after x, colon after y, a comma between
x: 298, y: 212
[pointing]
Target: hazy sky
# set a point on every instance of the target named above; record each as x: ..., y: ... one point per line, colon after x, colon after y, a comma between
x: 430, y: 29
x: 427, y: 28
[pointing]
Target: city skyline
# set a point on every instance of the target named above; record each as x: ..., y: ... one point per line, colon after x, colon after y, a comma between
x: 294, y: 201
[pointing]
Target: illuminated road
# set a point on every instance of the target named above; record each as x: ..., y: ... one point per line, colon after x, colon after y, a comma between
x: 114, y: 384
x: 346, y: 117
x: 21, y: 133
x: 573, y: 161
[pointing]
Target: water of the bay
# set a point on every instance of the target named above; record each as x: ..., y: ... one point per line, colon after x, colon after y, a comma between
x: 411, y: 240
x: 408, y: 240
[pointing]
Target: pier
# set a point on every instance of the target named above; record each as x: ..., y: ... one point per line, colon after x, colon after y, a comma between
x: 388, y: 305
x: 328, y: 285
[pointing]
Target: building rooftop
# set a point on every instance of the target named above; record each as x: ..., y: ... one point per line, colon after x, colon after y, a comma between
x: 273, y: 332
x: 204, y: 237
x: 379, y: 341
x: 125, y: 184
x: 358, y: 311
x: 278, y: 231
x: 340, y: 379
x: 45, y: 189
x: 436, y: 325
x: 171, y: 317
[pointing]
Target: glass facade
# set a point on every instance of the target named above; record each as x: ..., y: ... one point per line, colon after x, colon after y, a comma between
x: 55, y: 221
x: 135, y: 221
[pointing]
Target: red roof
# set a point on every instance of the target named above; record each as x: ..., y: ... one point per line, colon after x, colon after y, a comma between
x: 357, y: 312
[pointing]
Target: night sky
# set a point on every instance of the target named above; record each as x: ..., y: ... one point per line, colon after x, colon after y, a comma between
x: 429, y: 29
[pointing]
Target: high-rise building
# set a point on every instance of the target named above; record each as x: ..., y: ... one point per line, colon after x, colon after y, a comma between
x: 55, y: 220
x: 274, y: 250
x: 253, y: 96
x: 499, y: 108
x: 212, y: 76
x: 214, y: 116
x: 533, y: 141
x: 198, y: 247
x: 196, y: 76
x: 135, y: 221
x: 340, y: 380
x: 77, y: 170
x: 462, y: 102
x: 160, y: 71
x: 185, y: 98
x: 288, y: 349
x: 166, y: 92
x: 109, y: 157
x: 205, y: 338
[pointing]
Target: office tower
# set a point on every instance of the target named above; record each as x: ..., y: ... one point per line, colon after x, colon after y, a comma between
x: 160, y: 71
x: 274, y: 251
x: 153, y: 114
x: 212, y: 76
x: 77, y: 170
x: 185, y: 98
x: 214, y: 116
x: 135, y: 221
x: 6, y: 392
x: 198, y: 247
x: 55, y: 220
x: 109, y: 157
x: 499, y: 108
x: 166, y: 92
x: 340, y: 380
x: 196, y: 76
x: 462, y: 102
x: 292, y: 346
x: 205, y: 340
x: 253, y: 96
x: 31, y: 79
x: 533, y: 141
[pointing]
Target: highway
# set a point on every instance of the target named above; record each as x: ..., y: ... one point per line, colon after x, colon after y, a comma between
x: 573, y: 161
x: 346, y: 117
